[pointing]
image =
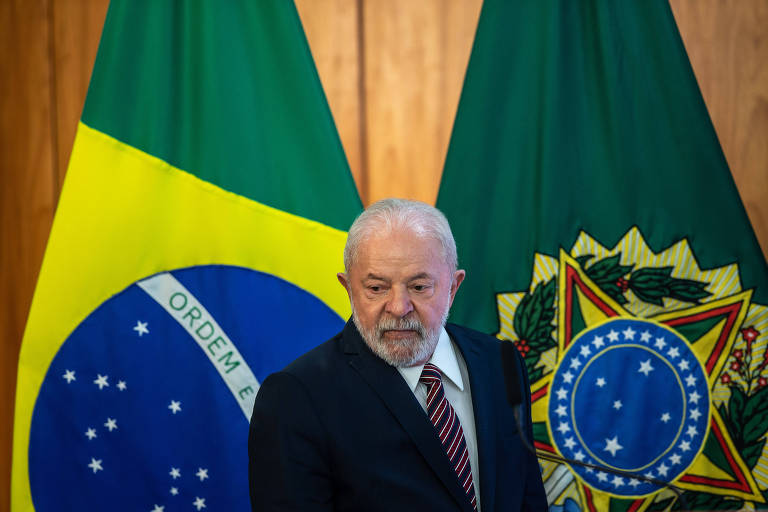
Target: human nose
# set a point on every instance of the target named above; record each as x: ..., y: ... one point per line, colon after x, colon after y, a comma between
x: 399, y: 303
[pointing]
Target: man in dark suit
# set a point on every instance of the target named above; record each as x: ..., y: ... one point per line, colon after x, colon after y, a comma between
x: 399, y: 411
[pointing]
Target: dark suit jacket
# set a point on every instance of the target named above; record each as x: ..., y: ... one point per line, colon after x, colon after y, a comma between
x: 339, y: 429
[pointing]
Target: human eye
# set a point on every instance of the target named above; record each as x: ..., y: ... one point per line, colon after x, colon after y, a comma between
x: 375, y: 287
x: 421, y: 286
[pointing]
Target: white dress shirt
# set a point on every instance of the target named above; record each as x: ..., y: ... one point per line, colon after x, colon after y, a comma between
x: 456, y: 386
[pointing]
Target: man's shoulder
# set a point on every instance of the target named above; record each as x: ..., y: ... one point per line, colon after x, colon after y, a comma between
x: 321, y: 359
x: 471, y: 335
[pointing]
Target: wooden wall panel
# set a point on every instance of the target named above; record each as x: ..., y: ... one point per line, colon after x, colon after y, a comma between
x: 415, y: 55
x: 333, y: 31
x: 727, y: 43
x: 26, y: 187
x: 76, y: 33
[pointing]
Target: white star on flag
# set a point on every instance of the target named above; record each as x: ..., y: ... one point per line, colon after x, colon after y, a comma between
x: 603, y: 477
x: 122, y: 385
x: 579, y: 456
x: 69, y: 376
x: 673, y: 352
x: 157, y: 508
x: 613, y: 336
x: 570, y: 443
x: 174, y: 491
x: 662, y: 469
x: 111, y: 424
x: 695, y: 414
x: 617, y: 404
x: 692, y: 431
x: 90, y: 433
x: 666, y: 417
x: 202, y: 474
x: 562, y: 394
x: 561, y: 411
x: 645, y: 367
x: 568, y: 377
x: 634, y: 482
x: 199, y: 503
x: 645, y: 336
x: 101, y: 381
x: 95, y: 465
x: 685, y: 446
x: 563, y: 427
x: 585, y: 352
x: 683, y: 365
x: 575, y: 363
x: 660, y: 343
x: 600, y: 382
x: 598, y: 342
x: 629, y: 333
x: 690, y: 380
x: 674, y: 459
x: 141, y: 328
x: 694, y: 397
x: 617, y: 481
x: 175, y: 473
x: 612, y: 445
x: 175, y: 406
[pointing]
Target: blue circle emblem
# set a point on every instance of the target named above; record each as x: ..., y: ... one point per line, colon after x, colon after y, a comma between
x: 146, y: 404
x: 629, y: 394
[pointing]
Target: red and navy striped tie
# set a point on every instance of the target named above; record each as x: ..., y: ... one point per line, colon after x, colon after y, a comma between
x: 448, y: 429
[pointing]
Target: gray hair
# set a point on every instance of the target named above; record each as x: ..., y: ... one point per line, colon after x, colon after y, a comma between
x: 388, y: 214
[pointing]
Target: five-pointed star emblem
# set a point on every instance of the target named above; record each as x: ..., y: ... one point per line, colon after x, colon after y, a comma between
x: 69, y: 376
x: 101, y: 381
x: 95, y: 465
x: 645, y: 367
x: 141, y: 328
x: 612, y: 445
x: 174, y: 406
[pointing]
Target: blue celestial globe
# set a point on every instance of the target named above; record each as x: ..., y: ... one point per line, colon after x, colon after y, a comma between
x: 629, y: 394
x: 145, y: 405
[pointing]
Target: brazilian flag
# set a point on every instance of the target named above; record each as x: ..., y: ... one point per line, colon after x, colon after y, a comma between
x: 602, y: 233
x: 193, y: 252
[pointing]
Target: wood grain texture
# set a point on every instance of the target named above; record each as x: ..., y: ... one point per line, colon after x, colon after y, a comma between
x: 332, y: 28
x: 27, y: 189
x: 415, y: 57
x: 727, y: 44
x: 76, y: 32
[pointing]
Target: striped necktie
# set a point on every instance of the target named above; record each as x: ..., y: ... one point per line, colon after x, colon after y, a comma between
x: 448, y: 429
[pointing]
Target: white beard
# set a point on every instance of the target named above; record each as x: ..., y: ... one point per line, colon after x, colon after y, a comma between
x: 403, y: 352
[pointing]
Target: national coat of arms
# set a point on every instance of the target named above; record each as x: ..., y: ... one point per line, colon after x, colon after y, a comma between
x: 644, y: 362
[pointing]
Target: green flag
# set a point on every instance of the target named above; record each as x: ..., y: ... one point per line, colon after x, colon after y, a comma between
x: 193, y: 252
x: 602, y: 233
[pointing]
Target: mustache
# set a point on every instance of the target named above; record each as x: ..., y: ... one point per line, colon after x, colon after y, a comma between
x: 408, y: 323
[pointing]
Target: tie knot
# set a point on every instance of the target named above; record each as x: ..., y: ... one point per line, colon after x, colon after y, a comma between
x: 430, y: 374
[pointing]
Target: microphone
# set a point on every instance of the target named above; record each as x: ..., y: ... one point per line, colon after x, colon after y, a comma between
x: 515, y: 399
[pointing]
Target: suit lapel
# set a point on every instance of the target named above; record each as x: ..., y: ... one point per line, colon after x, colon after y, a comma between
x: 389, y: 385
x: 480, y: 368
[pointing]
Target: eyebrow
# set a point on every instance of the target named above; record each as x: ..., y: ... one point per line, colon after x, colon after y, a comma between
x: 374, y: 276
x: 420, y: 275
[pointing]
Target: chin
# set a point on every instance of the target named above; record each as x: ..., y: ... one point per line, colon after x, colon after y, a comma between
x: 402, y: 353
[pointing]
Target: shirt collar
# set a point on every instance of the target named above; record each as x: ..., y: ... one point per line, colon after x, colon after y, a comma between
x: 444, y: 357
